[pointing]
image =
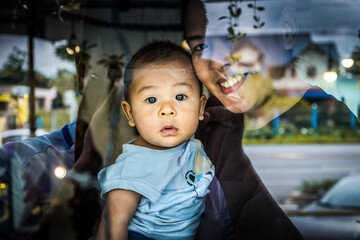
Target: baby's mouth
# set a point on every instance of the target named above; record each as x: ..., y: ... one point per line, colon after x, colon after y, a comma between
x: 169, y: 130
x: 231, y: 84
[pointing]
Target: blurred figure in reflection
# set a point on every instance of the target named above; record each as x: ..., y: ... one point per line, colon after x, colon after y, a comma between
x: 235, y: 76
x: 29, y: 176
x: 32, y: 184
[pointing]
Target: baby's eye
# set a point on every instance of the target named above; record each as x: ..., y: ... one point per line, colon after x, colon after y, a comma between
x: 151, y: 100
x: 180, y: 97
x: 200, y: 47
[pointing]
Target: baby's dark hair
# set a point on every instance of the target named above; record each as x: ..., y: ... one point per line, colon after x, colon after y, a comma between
x: 158, y: 52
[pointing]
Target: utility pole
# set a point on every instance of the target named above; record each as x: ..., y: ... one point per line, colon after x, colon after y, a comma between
x: 31, y: 75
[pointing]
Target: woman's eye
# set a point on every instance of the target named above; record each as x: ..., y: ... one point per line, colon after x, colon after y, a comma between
x: 200, y: 47
x: 151, y: 100
x: 180, y: 97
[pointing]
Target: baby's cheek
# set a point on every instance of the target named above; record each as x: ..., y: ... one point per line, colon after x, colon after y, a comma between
x: 193, y: 119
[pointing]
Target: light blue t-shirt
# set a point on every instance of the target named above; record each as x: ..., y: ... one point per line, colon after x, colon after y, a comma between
x: 172, y: 196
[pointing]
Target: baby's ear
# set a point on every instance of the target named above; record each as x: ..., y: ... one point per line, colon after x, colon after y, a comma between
x: 128, y: 113
x: 202, y: 107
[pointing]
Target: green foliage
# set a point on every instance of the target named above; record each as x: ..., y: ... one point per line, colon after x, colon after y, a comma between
x: 66, y: 5
x: 16, y: 61
x: 41, y: 80
x: 297, y: 138
x: 78, y: 52
x: 46, y: 117
x: 355, y: 69
x: 114, y: 64
x: 64, y: 80
x: 112, y: 61
x: 62, y: 118
x: 257, y: 18
x: 295, y: 126
x: 14, y: 70
x: 234, y: 34
x: 317, y: 186
x: 234, y: 10
x: 265, y: 133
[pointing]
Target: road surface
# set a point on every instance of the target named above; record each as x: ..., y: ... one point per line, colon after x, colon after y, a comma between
x: 283, y: 167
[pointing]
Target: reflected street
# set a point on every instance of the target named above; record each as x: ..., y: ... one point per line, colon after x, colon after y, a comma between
x: 283, y: 167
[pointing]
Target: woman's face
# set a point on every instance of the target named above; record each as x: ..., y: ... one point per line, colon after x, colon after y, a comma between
x: 230, y: 73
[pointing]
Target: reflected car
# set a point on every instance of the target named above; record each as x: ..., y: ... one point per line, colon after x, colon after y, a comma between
x: 19, y: 134
x: 335, y: 215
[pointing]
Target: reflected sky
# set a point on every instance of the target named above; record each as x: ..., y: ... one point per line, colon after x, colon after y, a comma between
x: 45, y: 59
x: 333, y: 20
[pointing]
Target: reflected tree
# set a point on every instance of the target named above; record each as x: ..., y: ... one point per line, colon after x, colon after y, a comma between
x: 14, y: 70
x: 114, y: 64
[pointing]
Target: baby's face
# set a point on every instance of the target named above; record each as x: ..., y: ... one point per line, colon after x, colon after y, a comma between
x: 165, y: 104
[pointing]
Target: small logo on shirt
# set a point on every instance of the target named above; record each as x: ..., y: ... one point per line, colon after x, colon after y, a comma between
x: 190, y: 177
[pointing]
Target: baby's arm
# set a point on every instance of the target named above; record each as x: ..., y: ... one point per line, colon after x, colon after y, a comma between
x: 119, y: 210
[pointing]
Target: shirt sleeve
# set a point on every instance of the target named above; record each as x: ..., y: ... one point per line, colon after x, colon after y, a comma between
x: 130, y: 175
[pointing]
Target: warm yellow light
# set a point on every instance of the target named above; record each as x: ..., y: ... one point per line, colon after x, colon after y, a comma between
x: 77, y: 49
x: 36, y: 210
x: 60, y: 172
x: 185, y: 45
x: 330, y: 77
x: 26, y: 96
x: 347, y: 63
x: 69, y: 51
x: 2, y: 185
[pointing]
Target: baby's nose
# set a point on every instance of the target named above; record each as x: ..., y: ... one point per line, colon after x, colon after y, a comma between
x: 167, y: 110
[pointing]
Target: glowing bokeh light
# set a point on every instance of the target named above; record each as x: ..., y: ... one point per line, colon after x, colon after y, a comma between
x: 60, y: 172
x: 330, y: 77
x: 69, y: 51
x: 347, y: 63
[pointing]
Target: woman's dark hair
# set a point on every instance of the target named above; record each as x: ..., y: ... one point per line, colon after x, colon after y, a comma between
x: 158, y: 52
x: 183, y: 9
x: 184, y: 5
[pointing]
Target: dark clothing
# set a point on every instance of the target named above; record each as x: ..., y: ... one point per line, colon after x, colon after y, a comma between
x: 137, y: 236
x: 215, y: 222
x: 254, y: 213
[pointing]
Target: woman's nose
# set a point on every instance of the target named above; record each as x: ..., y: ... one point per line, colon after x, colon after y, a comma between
x: 221, y: 66
x: 167, y: 110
